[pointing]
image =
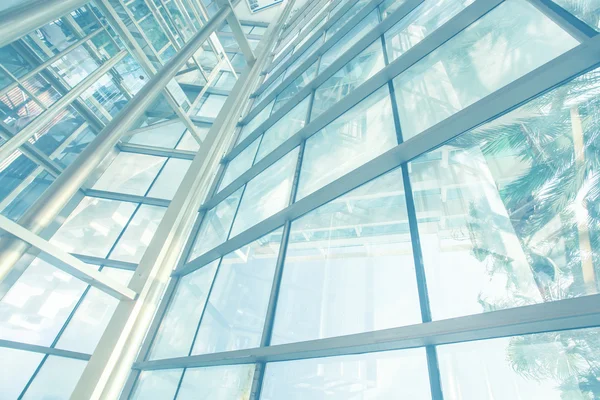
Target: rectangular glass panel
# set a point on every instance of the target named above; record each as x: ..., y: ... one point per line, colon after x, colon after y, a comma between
x: 93, y: 227
x: 361, y: 134
x: 298, y: 84
x: 347, y: 79
x: 130, y: 173
x: 237, y: 306
x: 93, y: 314
x: 349, y: 267
x: 17, y: 367
x: 419, y: 24
x: 349, y: 39
x: 211, y: 106
x: 239, y: 164
x: 283, y: 129
x: 505, y: 44
x: 165, y: 136
x: 160, y: 384
x: 138, y: 234
x: 226, y: 382
x: 169, y: 179
x: 56, y: 379
x: 553, y: 366
x: 506, y: 212
x: 266, y: 194
x: 255, y: 122
x: 178, y: 327
x: 337, y: 25
x: 36, y: 307
x: 216, y: 224
x: 390, y: 375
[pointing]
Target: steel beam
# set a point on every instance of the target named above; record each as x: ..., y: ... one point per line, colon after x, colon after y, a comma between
x: 66, y: 262
x: 19, y: 21
x: 43, y: 211
x: 582, y: 312
x: 9, y: 344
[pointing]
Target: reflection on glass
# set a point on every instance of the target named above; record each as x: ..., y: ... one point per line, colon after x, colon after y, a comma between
x: 87, y: 325
x: 509, y: 212
x: 169, y: 179
x: 586, y: 10
x: 551, y: 366
x: 347, y: 79
x: 337, y: 25
x: 283, y: 129
x: 390, y: 375
x: 266, y: 194
x: 419, y: 24
x: 165, y: 136
x: 361, y: 134
x: 240, y: 164
x: 215, y: 226
x: 93, y: 226
x: 160, y: 384
x: 56, y: 379
x: 349, y: 39
x: 227, y: 382
x: 236, y: 309
x: 298, y: 84
x: 130, y: 173
x: 38, y: 304
x: 178, y: 327
x: 140, y: 231
x: 211, y: 106
x: 255, y: 122
x: 503, y: 45
x: 349, y: 267
x: 389, y: 6
x: 17, y: 366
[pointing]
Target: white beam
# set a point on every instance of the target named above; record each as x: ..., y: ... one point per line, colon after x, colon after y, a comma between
x: 68, y: 263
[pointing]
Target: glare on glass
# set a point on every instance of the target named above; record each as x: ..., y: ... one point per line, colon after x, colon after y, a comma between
x: 169, y: 179
x: 502, y: 46
x: 160, y: 384
x: 349, y: 267
x: 130, y: 173
x: 17, y: 367
x: 223, y: 382
x: 56, y: 379
x: 240, y: 164
x: 139, y: 232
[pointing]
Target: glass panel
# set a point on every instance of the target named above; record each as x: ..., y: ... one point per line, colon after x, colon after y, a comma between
x: 361, y: 134
x: 389, y: 6
x: 130, y: 173
x: 165, y: 136
x: 216, y: 224
x: 169, y: 179
x: 188, y: 142
x: 266, y: 194
x: 161, y: 384
x: 138, y: 235
x: 337, y: 25
x: 87, y: 325
x: 298, y: 84
x: 554, y: 366
x: 507, y: 213
x: 16, y: 366
x: 419, y: 23
x: 93, y: 227
x: 283, y: 129
x: 586, y: 10
x: 255, y: 122
x: 349, y: 267
x: 355, y: 34
x: 56, y: 379
x: 178, y: 327
x: 347, y: 79
x: 38, y: 304
x: 227, y: 382
x: 305, y: 55
x: 236, y: 309
x: 474, y: 64
x: 28, y: 196
x: 240, y: 164
x: 211, y: 106
x: 388, y: 375
x: 15, y: 172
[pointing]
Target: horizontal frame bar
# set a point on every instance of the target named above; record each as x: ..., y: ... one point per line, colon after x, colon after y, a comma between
x: 52, y: 351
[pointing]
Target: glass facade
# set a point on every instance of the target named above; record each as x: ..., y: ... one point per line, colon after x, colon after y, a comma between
x: 395, y: 199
